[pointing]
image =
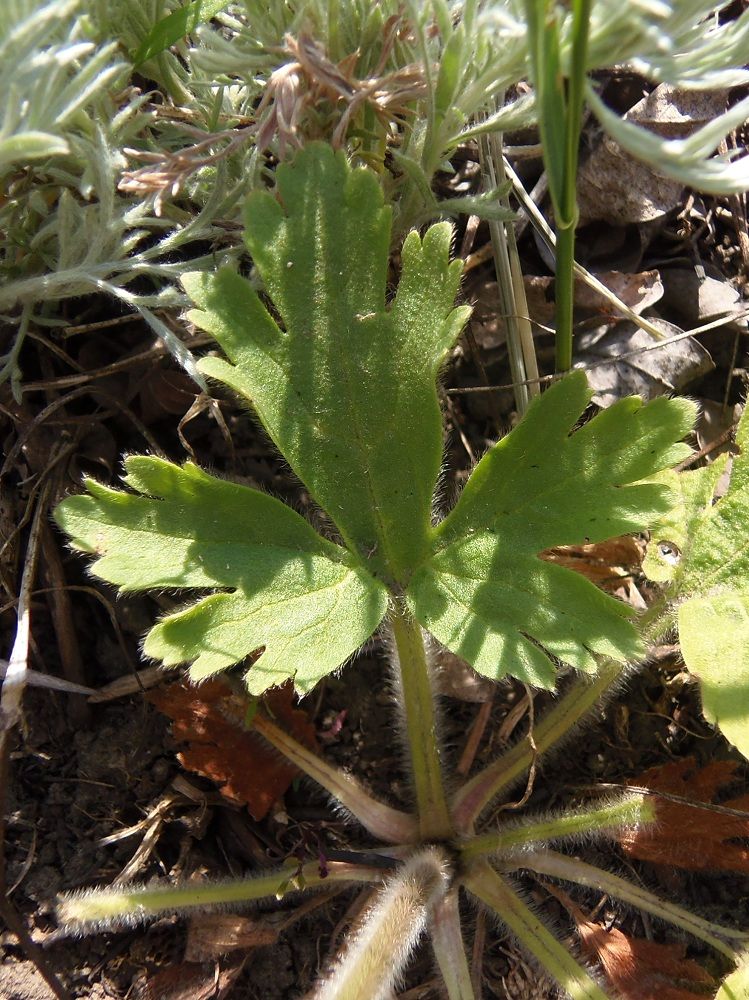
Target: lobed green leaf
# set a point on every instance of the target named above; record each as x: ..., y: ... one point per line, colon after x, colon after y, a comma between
x: 671, y: 538
x: 344, y: 386
x: 304, y: 600
x: 714, y: 637
x: 487, y: 595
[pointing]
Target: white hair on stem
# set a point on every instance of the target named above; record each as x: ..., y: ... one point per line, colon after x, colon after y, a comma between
x: 378, y: 951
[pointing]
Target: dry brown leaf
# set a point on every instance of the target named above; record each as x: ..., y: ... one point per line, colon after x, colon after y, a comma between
x: 643, y: 970
x: 189, y: 981
x: 638, y: 291
x: 165, y: 392
x: 212, y: 934
x: 457, y: 679
x: 605, y: 563
x: 688, y: 837
x: 638, y: 969
x: 615, y: 372
x: 693, y: 298
x: 210, y: 719
x: 617, y: 188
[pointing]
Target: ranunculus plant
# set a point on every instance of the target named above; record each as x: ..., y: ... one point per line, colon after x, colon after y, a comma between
x: 345, y: 384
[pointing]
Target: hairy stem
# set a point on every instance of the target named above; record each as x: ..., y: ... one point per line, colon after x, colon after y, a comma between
x: 421, y: 727
x: 583, y: 697
x: 495, y: 893
x: 381, y: 820
x: 573, y: 870
x: 122, y: 906
x: 626, y: 811
x: 377, y: 954
x: 447, y: 942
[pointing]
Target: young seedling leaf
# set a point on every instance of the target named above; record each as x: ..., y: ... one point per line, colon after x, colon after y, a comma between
x: 303, y: 600
x: 487, y: 595
x: 713, y: 575
x: 344, y: 386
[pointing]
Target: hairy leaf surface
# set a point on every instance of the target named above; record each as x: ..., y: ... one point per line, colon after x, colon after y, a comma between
x: 344, y: 386
x: 485, y: 593
x: 302, y: 598
x: 714, y: 620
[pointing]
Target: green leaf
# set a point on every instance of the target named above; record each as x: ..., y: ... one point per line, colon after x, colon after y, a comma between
x: 486, y: 206
x: 175, y: 26
x: 718, y: 553
x: 344, y: 386
x: 31, y: 145
x: 548, y: 83
x: 714, y: 636
x: 450, y: 71
x: 485, y: 593
x: 306, y: 601
x: 713, y: 576
x: 693, y: 495
x: 736, y: 986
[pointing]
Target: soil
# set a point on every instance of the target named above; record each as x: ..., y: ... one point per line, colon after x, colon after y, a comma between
x: 96, y: 789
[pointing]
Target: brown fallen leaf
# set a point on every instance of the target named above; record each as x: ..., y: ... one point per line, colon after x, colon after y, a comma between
x: 604, y: 563
x: 190, y: 981
x: 212, y: 934
x: 688, y: 837
x: 636, y: 968
x: 617, y: 188
x: 211, y: 720
x: 623, y: 360
x: 693, y: 297
x: 457, y: 679
x: 638, y: 291
x: 639, y: 969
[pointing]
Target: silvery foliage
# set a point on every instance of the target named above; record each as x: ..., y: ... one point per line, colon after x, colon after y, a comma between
x: 70, y: 119
x: 679, y: 42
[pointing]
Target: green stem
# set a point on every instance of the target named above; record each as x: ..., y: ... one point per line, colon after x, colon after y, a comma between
x: 573, y: 870
x: 492, y: 890
x: 421, y: 727
x: 100, y: 909
x: 381, y: 820
x: 564, y: 289
x: 503, y: 772
x: 567, y: 213
x: 628, y: 811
